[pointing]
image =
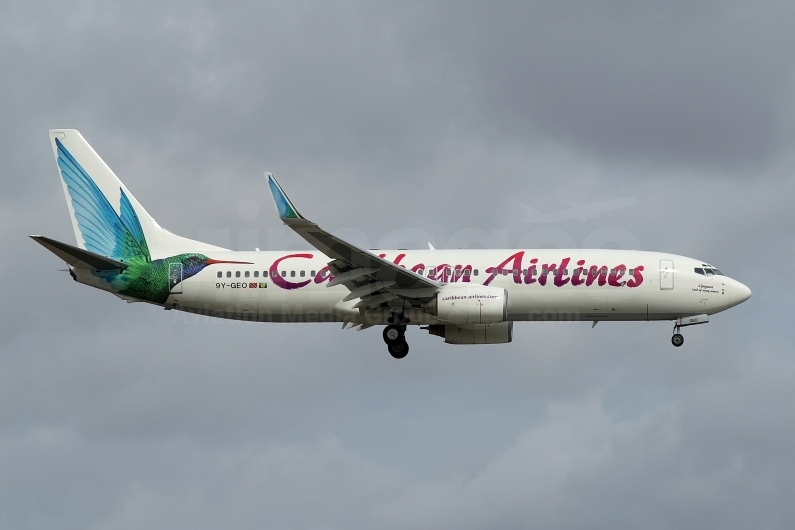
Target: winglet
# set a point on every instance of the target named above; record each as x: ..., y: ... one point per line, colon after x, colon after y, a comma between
x: 284, y: 206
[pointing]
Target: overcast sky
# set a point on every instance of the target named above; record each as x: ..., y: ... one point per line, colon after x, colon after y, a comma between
x: 393, y: 124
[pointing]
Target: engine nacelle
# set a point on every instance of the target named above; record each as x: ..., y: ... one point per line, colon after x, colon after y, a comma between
x: 500, y: 333
x: 470, y: 304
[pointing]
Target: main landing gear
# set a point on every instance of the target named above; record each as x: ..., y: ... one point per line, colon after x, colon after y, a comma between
x: 395, y: 338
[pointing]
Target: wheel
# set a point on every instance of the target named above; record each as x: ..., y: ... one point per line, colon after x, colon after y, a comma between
x: 399, y: 349
x: 393, y: 334
x: 677, y: 340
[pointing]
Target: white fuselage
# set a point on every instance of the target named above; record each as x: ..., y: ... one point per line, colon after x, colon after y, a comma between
x: 543, y: 284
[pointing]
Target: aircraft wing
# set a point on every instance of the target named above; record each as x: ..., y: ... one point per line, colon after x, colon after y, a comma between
x: 370, y: 278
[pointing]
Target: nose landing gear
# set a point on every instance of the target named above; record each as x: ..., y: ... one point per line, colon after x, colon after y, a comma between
x: 677, y: 339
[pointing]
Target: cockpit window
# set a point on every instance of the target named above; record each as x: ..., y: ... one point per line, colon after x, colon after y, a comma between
x: 699, y: 270
x: 709, y: 272
x: 716, y: 271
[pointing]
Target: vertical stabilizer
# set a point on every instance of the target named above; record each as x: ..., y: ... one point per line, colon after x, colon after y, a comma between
x: 106, y: 217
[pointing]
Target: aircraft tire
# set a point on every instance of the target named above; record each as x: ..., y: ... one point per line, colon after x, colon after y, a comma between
x: 677, y: 340
x: 392, y: 334
x: 399, y: 349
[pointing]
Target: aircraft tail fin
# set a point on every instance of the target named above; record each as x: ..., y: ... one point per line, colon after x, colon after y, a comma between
x: 107, y: 219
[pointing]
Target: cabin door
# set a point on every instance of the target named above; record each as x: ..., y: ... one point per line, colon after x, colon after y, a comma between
x: 175, y: 278
x: 666, y: 274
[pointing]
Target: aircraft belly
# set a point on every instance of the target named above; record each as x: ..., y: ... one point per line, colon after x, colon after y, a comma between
x: 310, y: 305
x: 574, y: 304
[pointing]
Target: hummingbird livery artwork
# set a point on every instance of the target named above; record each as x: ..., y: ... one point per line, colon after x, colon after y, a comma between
x: 464, y: 296
x: 121, y: 237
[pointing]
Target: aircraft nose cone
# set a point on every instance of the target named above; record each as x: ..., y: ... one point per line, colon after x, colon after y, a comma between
x: 739, y: 293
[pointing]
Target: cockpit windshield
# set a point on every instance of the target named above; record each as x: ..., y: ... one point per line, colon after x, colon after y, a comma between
x: 707, y: 272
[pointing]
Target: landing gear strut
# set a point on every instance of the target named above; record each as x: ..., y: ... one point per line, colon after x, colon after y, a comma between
x: 395, y: 336
x: 677, y: 339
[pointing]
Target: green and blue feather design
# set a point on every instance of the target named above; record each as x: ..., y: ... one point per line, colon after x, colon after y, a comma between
x: 120, y: 236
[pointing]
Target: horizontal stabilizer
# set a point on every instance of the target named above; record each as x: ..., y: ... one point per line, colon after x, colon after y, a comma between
x: 78, y: 257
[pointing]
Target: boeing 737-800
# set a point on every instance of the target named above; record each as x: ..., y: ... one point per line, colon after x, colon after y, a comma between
x: 464, y: 296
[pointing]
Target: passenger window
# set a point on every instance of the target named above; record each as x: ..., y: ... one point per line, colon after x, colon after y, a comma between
x: 292, y: 274
x: 237, y: 274
x: 256, y: 274
x: 220, y: 274
x: 247, y: 274
x: 431, y: 272
x: 612, y: 271
x: 458, y: 272
x: 631, y: 272
x: 505, y: 272
x: 228, y: 274
x: 565, y: 271
x: 264, y: 274
x: 284, y: 274
x: 476, y: 272
x: 515, y: 272
x: 312, y: 273
x: 466, y: 272
x: 303, y: 273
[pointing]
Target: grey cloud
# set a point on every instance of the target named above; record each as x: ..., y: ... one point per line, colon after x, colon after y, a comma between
x: 400, y: 122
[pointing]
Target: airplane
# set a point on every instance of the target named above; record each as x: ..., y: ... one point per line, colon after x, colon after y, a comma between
x: 464, y: 296
x: 578, y: 211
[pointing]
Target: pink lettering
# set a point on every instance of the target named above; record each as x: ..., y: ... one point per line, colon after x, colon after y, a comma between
x: 559, y: 279
x: 597, y: 272
x: 530, y: 271
x: 283, y: 282
x: 323, y: 275
x: 576, y: 280
x: 516, y: 267
x: 637, y: 277
x: 616, y: 274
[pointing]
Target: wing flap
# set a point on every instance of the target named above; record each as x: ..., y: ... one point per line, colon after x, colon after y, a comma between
x: 351, y: 276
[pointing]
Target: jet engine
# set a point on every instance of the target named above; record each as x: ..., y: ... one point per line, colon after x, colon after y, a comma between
x: 473, y: 333
x: 469, y: 304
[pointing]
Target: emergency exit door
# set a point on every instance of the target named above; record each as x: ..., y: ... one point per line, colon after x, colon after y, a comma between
x: 666, y: 274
